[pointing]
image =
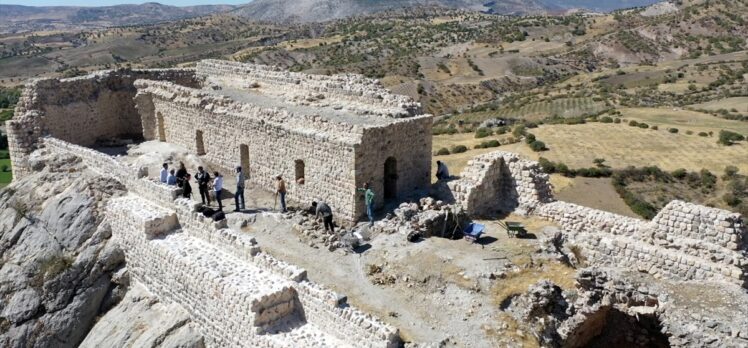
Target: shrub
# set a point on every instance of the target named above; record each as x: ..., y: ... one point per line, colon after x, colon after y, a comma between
x: 538, y: 146
x: 483, y: 132
x: 493, y: 143
x: 643, y: 125
x: 679, y: 173
x: 633, y: 123
x: 703, y: 134
x: 731, y: 199
x: 708, y: 180
x: 530, y: 138
x: 728, y: 138
x: 442, y: 152
x: 458, y: 149
x: 519, y: 131
x: 606, y: 119
x: 654, y: 128
x: 688, y: 132
x: 4, y: 168
x: 730, y: 172
x: 547, y: 166
x: 617, y: 120
x: 673, y: 130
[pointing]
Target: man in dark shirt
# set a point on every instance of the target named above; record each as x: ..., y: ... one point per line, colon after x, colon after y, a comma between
x: 186, y: 187
x: 203, y: 179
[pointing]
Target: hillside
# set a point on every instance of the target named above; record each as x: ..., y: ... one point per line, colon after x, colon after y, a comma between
x: 324, y: 10
x: 18, y: 18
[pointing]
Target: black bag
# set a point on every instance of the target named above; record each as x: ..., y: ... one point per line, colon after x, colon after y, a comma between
x: 208, y: 212
x: 219, y: 216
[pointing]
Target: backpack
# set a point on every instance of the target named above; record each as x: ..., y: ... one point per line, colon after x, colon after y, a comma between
x: 219, y: 216
x: 208, y: 212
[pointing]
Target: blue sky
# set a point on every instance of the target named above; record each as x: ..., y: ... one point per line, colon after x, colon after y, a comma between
x: 116, y: 2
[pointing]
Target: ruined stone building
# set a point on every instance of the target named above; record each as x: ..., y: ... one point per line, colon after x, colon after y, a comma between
x: 327, y: 135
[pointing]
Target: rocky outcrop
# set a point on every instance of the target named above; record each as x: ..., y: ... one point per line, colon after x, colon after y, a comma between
x: 57, y: 260
x: 141, y: 320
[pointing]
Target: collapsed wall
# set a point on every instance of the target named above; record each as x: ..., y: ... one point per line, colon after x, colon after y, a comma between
x: 501, y: 182
x: 684, y: 241
x: 80, y: 110
x: 616, y: 307
x: 670, y: 246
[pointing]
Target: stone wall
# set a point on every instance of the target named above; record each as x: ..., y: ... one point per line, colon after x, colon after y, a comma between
x: 238, y: 295
x: 357, y: 92
x: 501, y: 182
x: 407, y: 143
x: 661, y: 247
x: 81, y: 110
x: 135, y: 179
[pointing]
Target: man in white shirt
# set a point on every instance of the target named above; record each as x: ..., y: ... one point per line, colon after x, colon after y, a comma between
x: 217, y: 187
x: 164, y: 173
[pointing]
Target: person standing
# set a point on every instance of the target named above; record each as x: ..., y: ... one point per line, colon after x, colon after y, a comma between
x: 218, y: 187
x: 181, y: 173
x: 186, y: 187
x: 171, y: 180
x: 239, y: 189
x: 322, y: 209
x: 280, y: 190
x: 164, y: 174
x: 369, y: 199
x: 203, y: 180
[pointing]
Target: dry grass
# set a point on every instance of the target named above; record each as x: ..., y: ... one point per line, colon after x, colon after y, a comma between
x: 739, y: 103
x: 621, y: 146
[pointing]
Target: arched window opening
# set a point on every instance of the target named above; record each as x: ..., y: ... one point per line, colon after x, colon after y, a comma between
x: 299, y: 171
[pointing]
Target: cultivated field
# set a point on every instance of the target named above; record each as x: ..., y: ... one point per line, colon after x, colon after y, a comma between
x: 621, y: 146
x: 563, y: 107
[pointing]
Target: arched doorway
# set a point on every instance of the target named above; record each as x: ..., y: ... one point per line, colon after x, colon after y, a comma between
x: 161, y: 127
x: 199, y: 145
x: 390, y: 178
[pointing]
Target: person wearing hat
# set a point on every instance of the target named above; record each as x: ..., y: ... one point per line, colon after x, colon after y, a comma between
x: 280, y: 190
x: 239, y: 189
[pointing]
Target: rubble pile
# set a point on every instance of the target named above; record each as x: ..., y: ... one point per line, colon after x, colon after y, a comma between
x: 312, y: 231
x: 429, y: 217
x: 613, y: 307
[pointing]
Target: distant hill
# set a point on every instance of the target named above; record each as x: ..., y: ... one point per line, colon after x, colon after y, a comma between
x: 29, y: 18
x: 323, y: 10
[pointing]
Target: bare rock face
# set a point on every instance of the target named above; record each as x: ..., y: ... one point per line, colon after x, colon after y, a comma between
x: 140, y: 320
x: 57, y: 263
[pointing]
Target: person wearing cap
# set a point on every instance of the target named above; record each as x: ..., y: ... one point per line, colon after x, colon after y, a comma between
x: 239, y: 189
x: 280, y: 189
